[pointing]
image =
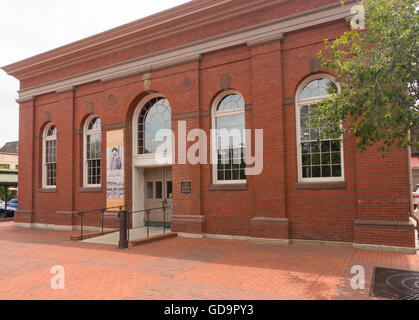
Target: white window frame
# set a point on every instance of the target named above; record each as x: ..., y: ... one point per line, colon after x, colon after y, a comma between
x: 87, y: 132
x: 310, y: 101
x: 148, y: 160
x: 214, y: 151
x: 46, y: 138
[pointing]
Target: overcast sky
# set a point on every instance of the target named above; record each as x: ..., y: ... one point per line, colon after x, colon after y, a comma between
x: 30, y: 27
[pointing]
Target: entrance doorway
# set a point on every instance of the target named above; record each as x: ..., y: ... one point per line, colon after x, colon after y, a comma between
x: 158, y: 187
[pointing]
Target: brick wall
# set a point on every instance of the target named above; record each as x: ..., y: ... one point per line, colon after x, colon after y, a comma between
x: 273, y: 205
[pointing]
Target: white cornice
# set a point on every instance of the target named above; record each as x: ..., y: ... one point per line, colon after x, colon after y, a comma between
x: 252, y: 35
x: 174, y: 21
x: 268, y: 38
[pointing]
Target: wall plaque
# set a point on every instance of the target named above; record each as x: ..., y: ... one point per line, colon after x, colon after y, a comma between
x: 186, y: 187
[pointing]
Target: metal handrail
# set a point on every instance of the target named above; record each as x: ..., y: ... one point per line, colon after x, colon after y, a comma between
x: 102, y: 211
x: 99, y: 210
x: 124, y: 231
x: 139, y: 211
x: 148, y: 211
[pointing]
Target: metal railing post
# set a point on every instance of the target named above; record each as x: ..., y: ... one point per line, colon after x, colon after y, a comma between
x: 81, y: 226
x: 128, y: 225
x: 123, y: 236
x: 148, y: 223
x: 103, y: 224
x: 164, y: 216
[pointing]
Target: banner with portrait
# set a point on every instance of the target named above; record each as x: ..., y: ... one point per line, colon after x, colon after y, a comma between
x: 115, y: 186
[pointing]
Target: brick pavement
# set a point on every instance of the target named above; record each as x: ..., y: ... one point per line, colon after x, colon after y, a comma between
x: 180, y: 268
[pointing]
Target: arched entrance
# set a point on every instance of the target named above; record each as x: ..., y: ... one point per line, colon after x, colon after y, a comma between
x: 152, y: 159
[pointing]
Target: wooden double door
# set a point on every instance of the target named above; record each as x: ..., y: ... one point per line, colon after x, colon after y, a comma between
x: 158, y: 188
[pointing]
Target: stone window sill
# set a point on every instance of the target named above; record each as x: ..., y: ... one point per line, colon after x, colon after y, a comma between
x: 320, y: 185
x: 47, y: 190
x: 90, y: 189
x: 229, y: 187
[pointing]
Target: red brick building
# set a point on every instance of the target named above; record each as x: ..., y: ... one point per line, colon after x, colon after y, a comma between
x: 209, y: 64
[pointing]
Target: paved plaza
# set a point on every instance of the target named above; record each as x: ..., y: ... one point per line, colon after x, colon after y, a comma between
x: 182, y: 268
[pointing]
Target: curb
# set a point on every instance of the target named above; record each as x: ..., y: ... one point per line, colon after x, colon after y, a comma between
x: 160, y: 237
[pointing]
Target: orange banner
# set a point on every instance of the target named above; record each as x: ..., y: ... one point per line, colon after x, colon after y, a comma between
x: 115, y: 186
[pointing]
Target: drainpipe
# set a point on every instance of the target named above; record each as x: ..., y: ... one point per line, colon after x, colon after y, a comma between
x: 409, y: 169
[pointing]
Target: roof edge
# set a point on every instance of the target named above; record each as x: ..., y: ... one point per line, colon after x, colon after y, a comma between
x: 150, y: 23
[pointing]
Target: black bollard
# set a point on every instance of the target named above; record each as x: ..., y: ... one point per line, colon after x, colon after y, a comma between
x: 123, y: 222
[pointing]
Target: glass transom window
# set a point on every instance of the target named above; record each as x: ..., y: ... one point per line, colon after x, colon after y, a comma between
x: 317, y: 88
x: 229, y: 120
x: 319, y: 160
x: 155, y: 116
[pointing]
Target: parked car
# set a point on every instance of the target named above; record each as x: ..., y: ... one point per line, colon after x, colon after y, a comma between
x: 416, y: 197
x: 2, y: 203
x: 11, y: 207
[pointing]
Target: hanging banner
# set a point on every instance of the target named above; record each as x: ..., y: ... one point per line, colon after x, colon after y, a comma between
x: 115, y: 169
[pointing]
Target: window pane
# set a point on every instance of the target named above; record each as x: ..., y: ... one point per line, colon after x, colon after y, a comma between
x: 50, y: 174
x: 326, y: 158
x: 314, y: 134
x: 231, y: 102
x: 305, y: 135
x: 306, y: 148
x: 93, y: 157
x: 330, y: 162
x: 319, y: 159
x: 169, y: 189
x: 150, y: 192
x: 306, y: 160
x: 326, y: 172
x: 304, y: 111
x: 326, y: 146
x: 315, y: 159
x: 337, y: 171
x: 52, y: 131
x: 95, y: 124
x: 159, y: 190
x: 336, y: 158
x: 221, y: 175
x: 50, y: 156
x: 155, y: 116
x: 306, y: 172
x: 315, y: 147
x: 94, y: 172
x: 304, y: 122
x: 228, y: 175
x: 236, y: 174
x: 317, y: 88
x: 231, y: 147
x: 316, y: 172
x: 336, y: 146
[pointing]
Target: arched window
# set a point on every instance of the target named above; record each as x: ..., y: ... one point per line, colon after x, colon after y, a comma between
x: 317, y: 160
x: 230, y: 147
x: 49, y: 152
x: 92, y: 152
x: 156, y: 115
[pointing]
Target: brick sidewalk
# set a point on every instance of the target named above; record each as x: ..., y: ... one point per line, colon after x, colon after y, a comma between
x: 181, y: 268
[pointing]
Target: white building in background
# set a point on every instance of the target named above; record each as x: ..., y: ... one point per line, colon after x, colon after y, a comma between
x: 9, y: 158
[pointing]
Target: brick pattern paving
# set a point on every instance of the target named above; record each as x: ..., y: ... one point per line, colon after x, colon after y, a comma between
x: 175, y: 269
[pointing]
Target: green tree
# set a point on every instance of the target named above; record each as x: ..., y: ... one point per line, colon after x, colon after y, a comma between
x: 377, y: 70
